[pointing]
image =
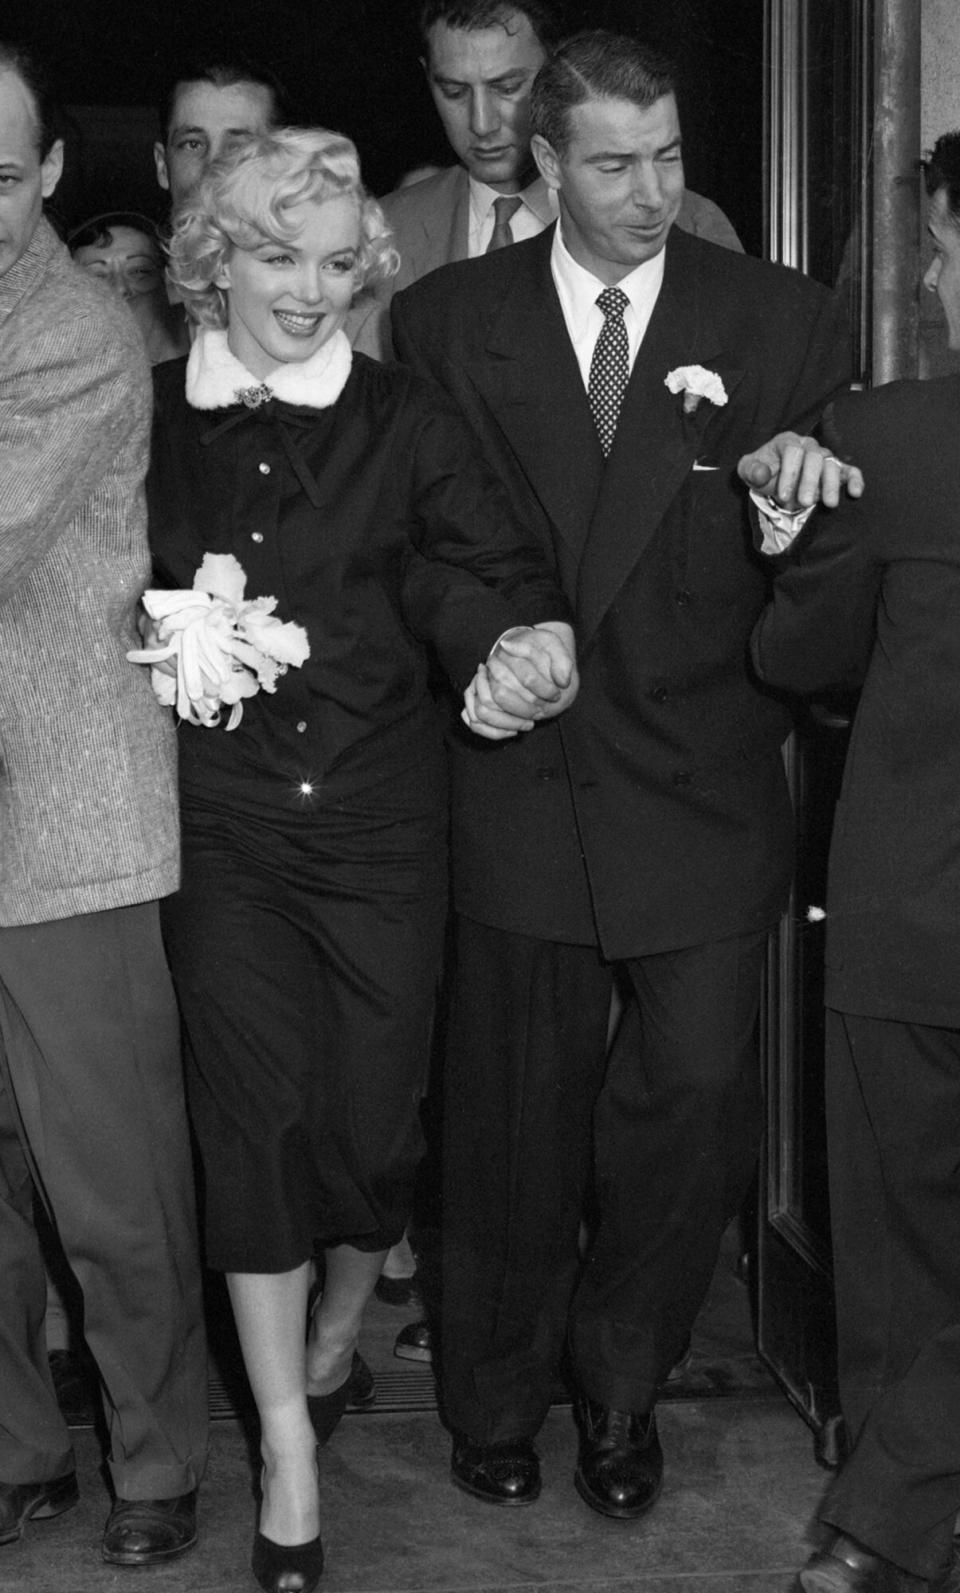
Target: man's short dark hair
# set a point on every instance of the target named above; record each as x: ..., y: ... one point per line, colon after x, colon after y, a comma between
x: 941, y: 169
x: 32, y: 72
x: 595, y: 65
x: 223, y: 72
x: 475, y: 14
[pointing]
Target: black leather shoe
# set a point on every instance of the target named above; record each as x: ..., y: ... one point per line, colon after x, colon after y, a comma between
x: 504, y: 1474
x: 414, y: 1342
x: 275, y: 1564
x: 362, y: 1390
x: 148, y: 1531
x: 21, y: 1502
x: 845, y: 1566
x: 621, y: 1462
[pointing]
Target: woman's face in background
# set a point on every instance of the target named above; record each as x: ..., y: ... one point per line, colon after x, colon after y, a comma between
x: 285, y: 300
x: 127, y: 260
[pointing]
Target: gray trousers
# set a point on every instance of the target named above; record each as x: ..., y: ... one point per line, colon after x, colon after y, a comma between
x: 92, y: 1119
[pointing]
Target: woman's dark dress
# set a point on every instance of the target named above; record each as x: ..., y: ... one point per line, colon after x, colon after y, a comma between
x: 305, y: 940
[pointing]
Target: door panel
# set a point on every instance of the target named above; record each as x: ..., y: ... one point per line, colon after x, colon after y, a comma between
x: 818, y: 100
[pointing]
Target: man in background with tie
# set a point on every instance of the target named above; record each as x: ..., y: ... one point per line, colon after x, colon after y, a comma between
x: 480, y: 58
x: 614, y: 369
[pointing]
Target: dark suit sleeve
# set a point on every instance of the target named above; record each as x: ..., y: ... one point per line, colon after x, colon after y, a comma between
x: 818, y: 629
x: 473, y: 571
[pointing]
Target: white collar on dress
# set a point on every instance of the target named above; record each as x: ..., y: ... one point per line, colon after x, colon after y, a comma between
x: 216, y: 379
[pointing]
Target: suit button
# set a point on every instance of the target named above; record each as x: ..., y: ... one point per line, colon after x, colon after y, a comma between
x: 256, y: 536
x: 681, y: 596
x: 548, y: 774
x: 659, y: 694
x: 681, y: 777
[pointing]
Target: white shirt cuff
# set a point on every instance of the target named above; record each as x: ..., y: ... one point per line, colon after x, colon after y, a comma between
x: 779, y: 527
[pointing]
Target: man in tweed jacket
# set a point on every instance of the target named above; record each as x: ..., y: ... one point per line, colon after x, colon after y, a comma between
x: 91, y: 1104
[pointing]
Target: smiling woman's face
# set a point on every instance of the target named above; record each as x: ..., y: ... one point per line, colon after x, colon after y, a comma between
x: 284, y: 301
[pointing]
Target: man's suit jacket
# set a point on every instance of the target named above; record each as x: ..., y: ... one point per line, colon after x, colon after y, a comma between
x: 430, y: 221
x: 88, y: 806
x: 874, y: 589
x: 654, y: 815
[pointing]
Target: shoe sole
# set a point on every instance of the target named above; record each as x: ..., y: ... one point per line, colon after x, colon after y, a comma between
x: 43, y: 1510
x: 403, y: 1353
x: 147, y: 1557
x: 487, y: 1498
x: 615, y: 1512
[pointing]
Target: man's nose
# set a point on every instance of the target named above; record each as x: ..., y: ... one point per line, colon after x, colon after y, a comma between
x: 647, y: 188
x: 484, y: 112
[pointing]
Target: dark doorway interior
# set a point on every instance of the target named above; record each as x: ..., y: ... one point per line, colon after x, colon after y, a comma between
x: 353, y: 64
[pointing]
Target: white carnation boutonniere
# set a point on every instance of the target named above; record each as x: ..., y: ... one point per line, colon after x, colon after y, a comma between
x: 225, y: 648
x: 695, y: 382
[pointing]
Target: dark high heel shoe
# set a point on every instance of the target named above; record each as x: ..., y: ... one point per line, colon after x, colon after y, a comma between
x: 325, y: 1410
x: 361, y: 1390
x: 286, y: 1567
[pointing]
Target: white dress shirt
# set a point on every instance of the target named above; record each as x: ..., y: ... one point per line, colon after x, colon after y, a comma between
x: 579, y: 289
x: 538, y: 208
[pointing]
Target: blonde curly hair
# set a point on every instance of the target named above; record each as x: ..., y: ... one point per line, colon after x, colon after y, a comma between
x: 243, y: 200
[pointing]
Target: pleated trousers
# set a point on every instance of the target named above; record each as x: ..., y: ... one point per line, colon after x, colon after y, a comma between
x: 92, y: 1119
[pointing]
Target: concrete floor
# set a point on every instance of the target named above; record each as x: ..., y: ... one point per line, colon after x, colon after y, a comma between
x: 740, y: 1488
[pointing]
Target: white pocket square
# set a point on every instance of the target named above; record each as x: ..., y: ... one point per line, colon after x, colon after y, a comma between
x: 698, y: 466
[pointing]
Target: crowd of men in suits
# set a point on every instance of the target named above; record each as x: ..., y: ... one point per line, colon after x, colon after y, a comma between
x: 630, y: 375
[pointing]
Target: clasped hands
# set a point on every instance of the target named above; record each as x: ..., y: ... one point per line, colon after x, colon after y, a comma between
x: 530, y: 675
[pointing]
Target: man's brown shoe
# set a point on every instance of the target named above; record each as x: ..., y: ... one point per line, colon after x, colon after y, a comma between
x: 148, y: 1531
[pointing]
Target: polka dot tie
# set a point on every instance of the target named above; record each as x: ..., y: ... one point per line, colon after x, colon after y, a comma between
x: 610, y: 366
x: 503, y: 208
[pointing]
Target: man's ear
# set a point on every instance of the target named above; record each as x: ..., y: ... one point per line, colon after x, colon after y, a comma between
x: 51, y: 169
x: 545, y: 156
x: 160, y: 161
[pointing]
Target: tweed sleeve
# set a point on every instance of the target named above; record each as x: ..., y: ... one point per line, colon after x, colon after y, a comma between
x: 70, y: 395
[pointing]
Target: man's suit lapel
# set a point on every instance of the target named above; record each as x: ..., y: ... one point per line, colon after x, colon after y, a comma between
x: 656, y: 443
x: 533, y: 385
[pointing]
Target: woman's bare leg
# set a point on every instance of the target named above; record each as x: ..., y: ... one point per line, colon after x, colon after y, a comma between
x: 335, y: 1327
x: 270, y: 1311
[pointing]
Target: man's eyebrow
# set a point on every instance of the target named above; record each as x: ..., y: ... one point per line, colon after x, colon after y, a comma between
x: 499, y: 77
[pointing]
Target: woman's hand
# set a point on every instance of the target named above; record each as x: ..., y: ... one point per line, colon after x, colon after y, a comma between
x: 530, y: 675
x: 153, y: 635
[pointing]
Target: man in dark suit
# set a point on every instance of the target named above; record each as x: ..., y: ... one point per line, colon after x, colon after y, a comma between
x: 647, y: 831
x: 480, y: 58
x: 874, y: 596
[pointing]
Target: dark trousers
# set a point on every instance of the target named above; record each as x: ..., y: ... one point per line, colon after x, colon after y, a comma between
x: 92, y: 1118
x: 893, y: 1117
x: 669, y: 1125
